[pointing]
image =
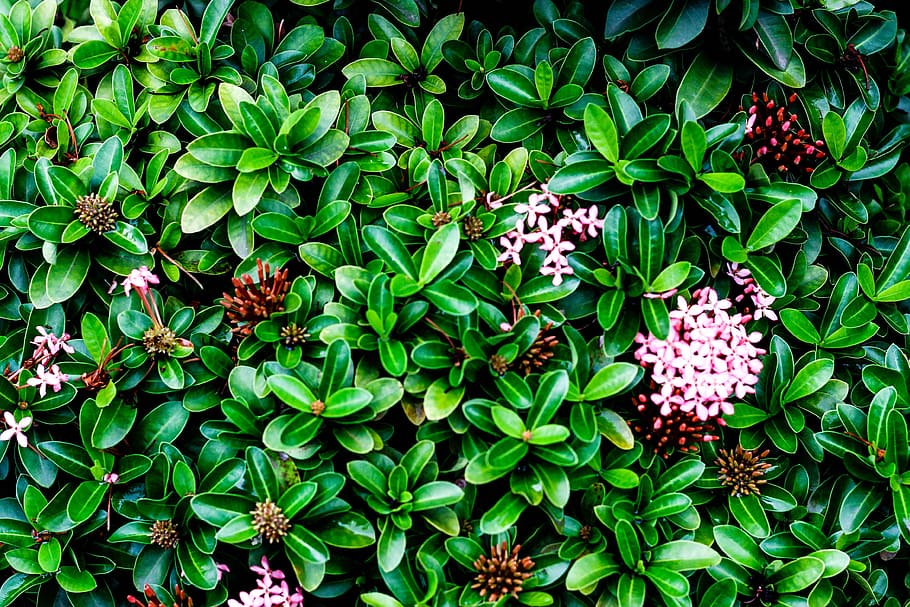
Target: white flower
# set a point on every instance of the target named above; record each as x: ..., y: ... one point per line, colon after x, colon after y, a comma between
x: 14, y: 428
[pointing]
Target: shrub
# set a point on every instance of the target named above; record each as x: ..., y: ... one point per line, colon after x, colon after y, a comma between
x: 407, y: 303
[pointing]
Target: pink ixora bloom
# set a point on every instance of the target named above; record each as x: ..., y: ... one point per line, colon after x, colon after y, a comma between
x: 139, y: 279
x: 707, y: 359
x: 45, y: 377
x: 48, y: 345
x: 555, y: 229
x: 14, y: 428
x: 268, y: 593
x: 761, y: 301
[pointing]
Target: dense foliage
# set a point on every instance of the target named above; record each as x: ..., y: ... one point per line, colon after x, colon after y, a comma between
x: 409, y: 303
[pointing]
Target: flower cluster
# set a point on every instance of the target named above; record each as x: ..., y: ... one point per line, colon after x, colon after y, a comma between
x: 252, y: 301
x: 271, y: 590
x: 760, y: 301
x: 47, y: 345
x: 46, y: 377
x: 707, y: 358
x: 540, y: 212
x: 779, y: 144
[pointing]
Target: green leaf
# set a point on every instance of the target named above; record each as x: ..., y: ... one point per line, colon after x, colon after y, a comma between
x: 85, y: 500
x: 835, y: 134
x: 725, y: 183
x: 809, y: 380
x: 601, y: 130
x: 587, y: 571
x: 739, y: 546
x: 748, y: 512
x: 627, y: 543
x: 682, y: 23
x: 205, y: 209
x: 683, y: 555
x: 580, y: 177
x: 74, y: 580
x: 388, y: 247
x: 775, y: 224
x: 797, y: 324
x: 705, y: 84
x: 445, y: 29
x: 376, y: 72
x: 66, y: 275
x: 694, y: 143
x: 503, y: 514
x: 610, y: 380
x: 439, y: 252
x: 441, y: 399
x: 797, y: 575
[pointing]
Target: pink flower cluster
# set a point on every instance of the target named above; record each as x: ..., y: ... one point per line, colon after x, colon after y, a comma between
x: 761, y: 301
x: 540, y: 212
x: 47, y: 345
x: 49, y: 377
x: 268, y: 593
x: 707, y: 358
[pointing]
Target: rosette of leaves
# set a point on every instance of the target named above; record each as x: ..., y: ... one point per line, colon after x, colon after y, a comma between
x: 294, y: 56
x: 29, y: 47
x: 484, y: 57
x: 45, y: 563
x: 159, y: 357
x: 413, y: 70
x: 755, y: 573
x: 630, y: 154
x: 177, y: 543
x: 116, y: 33
x: 872, y: 446
x: 181, y: 65
x: 850, y: 48
x: 641, y: 519
x: 788, y: 389
x: 306, y: 517
x: 400, y: 491
x: 327, y: 397
x: 642, y: 264
x: 79, y: 209
x: 272, y: 140
x: 61, y: 124
x: 528, y: 447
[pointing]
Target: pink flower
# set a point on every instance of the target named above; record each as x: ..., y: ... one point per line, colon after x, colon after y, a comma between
x: 267, y: 593
x: 707, y: 358
x: 48, y: 377
x: 14, y: 428
x: 47, y: 345
x: 139, y: 279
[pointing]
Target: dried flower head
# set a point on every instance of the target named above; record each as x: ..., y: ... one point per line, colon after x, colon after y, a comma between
x: 441, y: 218
x: 779, y: 143
x: 15, y: 54
x: 293, y: 335
x: 473, y: 227
x: 742, y: 470
x: 540, y: 351
x: 502, y: 573
x: 677, y: 430
x: 96, y: 213
x: 269, y: 521
x: 165, y: 533
x: 159, y: 341
x: 499, y: 363
x: 253, y: 301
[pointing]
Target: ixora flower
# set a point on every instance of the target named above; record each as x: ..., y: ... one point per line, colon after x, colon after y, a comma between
x: 760, y: 301
x: 501, y: 574
x: 48, y: 377
x: 708, y: 359
x: 14, y: 428
x: 556, y: 240
x: 271, y: 590
x: 779, y: 143
x: 253, y: 302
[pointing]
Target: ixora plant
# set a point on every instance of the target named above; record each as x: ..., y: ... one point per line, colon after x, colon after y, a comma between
x: 409, y: 303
